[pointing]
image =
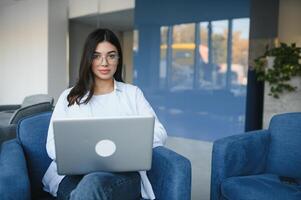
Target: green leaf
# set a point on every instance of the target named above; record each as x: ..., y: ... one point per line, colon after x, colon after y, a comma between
x: 286, y: 66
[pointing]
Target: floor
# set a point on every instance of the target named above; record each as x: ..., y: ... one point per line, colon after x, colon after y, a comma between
x: 199, y: 154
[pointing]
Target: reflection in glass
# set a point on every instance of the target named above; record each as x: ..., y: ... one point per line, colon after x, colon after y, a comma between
x: 135, y: 50
x: 203, y: 56
x: 183, y: 47
x: 218, y: 66
x: 240, y: 51
x: 135, y: 40
x: 202, y: 78
x: 163, y: 57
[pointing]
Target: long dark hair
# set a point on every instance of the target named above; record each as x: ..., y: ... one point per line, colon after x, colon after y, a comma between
x: 86, y: 82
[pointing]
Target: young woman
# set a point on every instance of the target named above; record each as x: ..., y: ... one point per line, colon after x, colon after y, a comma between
x: 100, y: 92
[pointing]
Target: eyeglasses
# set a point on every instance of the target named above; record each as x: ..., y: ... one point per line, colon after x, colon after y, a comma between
x: 110, y: 58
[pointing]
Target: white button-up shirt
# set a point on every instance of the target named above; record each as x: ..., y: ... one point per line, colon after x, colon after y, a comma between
x: 125, y: 100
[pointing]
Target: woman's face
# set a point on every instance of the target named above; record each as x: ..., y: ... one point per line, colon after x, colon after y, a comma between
x: 105, y: 61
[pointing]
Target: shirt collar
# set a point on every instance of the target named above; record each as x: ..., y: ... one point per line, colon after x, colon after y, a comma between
x: 117, y: 86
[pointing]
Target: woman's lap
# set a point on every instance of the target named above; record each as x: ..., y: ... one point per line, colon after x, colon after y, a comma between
x: 100, y: 186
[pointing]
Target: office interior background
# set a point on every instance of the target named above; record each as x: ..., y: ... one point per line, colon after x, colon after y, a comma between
x: 192, y: 59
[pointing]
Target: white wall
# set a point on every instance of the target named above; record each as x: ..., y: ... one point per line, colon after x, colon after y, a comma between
x: 115, y: 5
x: 33, y: 49
x: 289, y: 31
x: 58, y: 76
x: 78, y: 8
x: 23, y: 51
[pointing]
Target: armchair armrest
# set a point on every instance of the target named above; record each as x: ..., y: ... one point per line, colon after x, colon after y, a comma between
x: 7, y: 132
x: 238, y: 155
x: 170, y: 175
x: 14, y: 181
x: 9, y: 107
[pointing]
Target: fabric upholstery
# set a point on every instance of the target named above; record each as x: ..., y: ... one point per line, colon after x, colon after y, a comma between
x: 238, y: 155
x: 32, y: 134
x: 9, y: 108
x: 11, y: 114
x: 263, y: 186
x: 248, y: 166
x: 7, y: 132
x: 26, y: 157
x: 170, y: 175
x: 5, y: 118
x: 14, y: 182
x: 30, y: 110
x: 285, y: 150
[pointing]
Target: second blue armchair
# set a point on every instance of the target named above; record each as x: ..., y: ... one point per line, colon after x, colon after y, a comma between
x: 261, y: 165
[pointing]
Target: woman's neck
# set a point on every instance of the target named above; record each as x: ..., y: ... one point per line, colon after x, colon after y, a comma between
x: 103, y: 86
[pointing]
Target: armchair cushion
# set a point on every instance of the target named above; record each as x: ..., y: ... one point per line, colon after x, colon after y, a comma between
x: 263, y: 186
x: 285, y: 154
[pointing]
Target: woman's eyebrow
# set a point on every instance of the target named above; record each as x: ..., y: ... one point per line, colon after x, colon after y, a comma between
x: 96, y: 52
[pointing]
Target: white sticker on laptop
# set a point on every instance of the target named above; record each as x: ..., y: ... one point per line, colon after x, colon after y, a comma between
x: 105, y: 148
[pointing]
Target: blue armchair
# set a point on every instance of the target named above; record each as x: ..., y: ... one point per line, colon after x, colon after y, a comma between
x: 23, y: 162
x: 251, y: 165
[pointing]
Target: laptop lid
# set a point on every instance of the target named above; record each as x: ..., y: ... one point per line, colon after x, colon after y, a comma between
x: 114, y: 144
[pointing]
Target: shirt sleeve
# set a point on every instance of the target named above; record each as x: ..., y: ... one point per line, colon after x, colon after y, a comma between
x: 144, y: 108
x: 58, y: 112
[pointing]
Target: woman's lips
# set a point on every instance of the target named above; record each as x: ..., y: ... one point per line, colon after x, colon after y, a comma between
x: 104, y: 71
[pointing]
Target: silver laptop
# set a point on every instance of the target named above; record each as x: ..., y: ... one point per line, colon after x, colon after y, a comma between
x: 115, y: 144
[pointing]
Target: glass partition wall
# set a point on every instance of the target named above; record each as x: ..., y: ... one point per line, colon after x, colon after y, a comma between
x: 197, y: 82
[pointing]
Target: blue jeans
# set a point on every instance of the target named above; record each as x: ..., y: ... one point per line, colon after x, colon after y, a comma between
x: 100, y: 186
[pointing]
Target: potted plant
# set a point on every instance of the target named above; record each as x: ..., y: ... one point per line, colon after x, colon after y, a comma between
x: 277, y: 66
